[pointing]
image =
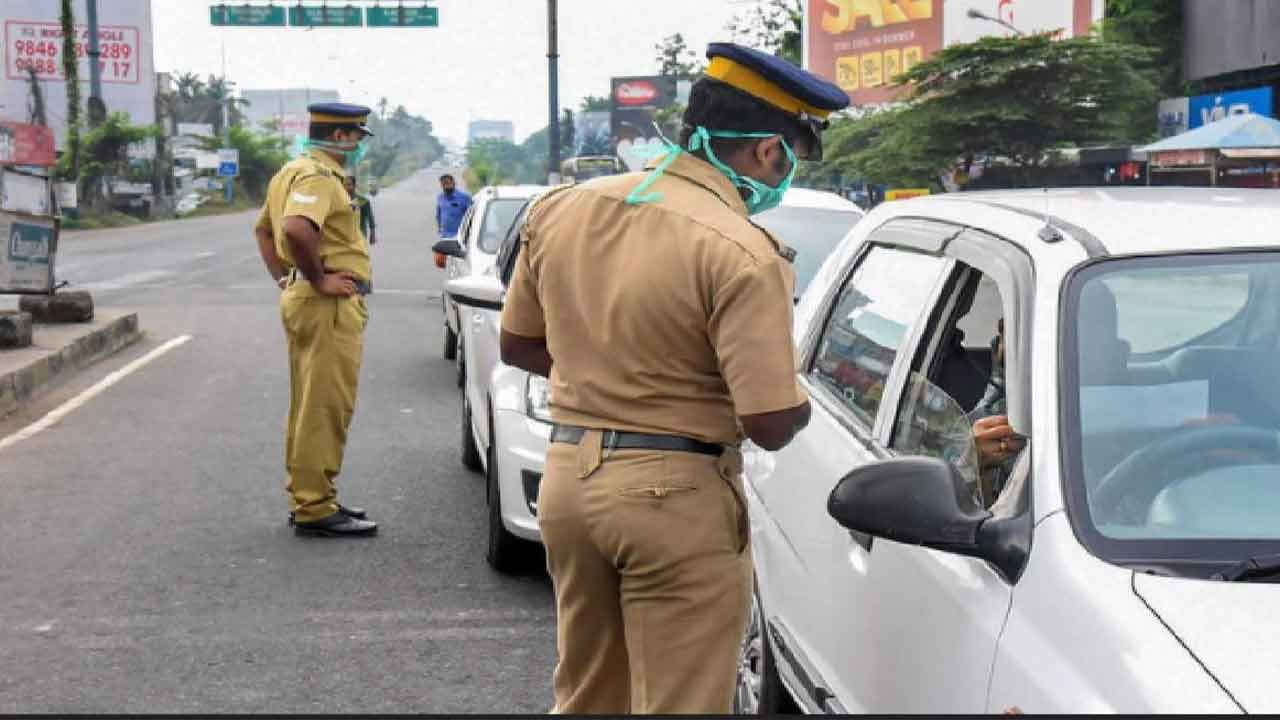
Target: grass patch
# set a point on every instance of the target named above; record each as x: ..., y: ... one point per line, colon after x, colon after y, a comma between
x: 215, y: 205
x: 99, y: 222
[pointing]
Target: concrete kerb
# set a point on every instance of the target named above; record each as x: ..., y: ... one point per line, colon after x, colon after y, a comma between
x: 79, y: 347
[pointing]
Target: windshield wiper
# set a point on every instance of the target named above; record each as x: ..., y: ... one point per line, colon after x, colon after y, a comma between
x: 1265, y: 568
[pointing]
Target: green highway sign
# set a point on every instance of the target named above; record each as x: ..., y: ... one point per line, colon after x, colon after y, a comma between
x: 247, y: 15
x: 403, y: 16
x: 325, y: 16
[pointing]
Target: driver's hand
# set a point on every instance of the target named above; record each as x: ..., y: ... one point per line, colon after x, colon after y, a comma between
x: 996, y: 440
x: 339, y: 284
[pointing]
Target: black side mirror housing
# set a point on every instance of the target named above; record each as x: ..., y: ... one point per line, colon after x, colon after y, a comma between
x: 450, y: 247
x: 925, y: 501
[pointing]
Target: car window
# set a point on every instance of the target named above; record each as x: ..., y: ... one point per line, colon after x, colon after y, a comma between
x: 1181, y: 443
x: 510, y: 247
x: 813, y: 233
x: 498, y: 215
x: 1156, y: 320
x: 869, y: 324
x: 958, y: 379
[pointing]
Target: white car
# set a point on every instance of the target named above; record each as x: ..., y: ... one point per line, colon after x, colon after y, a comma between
x: 473, y: 250
x: 511, y: 436
x: 1113, y: 565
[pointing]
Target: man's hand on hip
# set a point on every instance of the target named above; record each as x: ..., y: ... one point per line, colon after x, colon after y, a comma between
x: 339, y: 284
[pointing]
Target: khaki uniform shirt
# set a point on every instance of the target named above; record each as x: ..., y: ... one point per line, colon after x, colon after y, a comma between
x: 311, y: 187
x: 672, y: 317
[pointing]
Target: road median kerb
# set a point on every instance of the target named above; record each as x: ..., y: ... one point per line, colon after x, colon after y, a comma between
x: 35, y: 372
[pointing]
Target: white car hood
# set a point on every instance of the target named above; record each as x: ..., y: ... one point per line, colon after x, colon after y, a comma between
x: 1232, y: 628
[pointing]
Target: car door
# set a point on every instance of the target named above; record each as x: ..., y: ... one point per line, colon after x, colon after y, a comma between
x: 457, y: 267
x: 485, y: 328
x: 849, y: 372
x: 917, y: 629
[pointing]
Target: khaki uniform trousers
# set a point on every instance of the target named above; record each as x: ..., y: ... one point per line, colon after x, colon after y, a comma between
x: 326, y: 344
x: 649, y: 555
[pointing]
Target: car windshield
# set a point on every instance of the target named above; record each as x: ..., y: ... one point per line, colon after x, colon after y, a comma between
x: 1172, y: 407
x: 811, y: 232
x: 498, y: 216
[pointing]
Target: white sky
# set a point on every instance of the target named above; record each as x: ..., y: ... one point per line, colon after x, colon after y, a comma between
x: 487, y: 60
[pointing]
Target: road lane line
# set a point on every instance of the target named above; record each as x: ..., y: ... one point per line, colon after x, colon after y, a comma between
x: 70, y: 406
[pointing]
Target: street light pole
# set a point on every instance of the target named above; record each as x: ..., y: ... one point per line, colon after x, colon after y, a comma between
x: 553, y: 126
x: 977, y: 14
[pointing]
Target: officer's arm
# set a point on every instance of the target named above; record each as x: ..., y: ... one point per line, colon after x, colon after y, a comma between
x: 267, y: 245
x: 303, y: 237
x: 267, y: 249
x: 750, y: 328
x: 528, y: 354
x: 775, y: 430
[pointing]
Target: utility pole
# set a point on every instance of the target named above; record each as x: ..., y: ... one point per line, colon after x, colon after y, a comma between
x: 97, y: 108
x: 227, y: 182
x: 553, y: 127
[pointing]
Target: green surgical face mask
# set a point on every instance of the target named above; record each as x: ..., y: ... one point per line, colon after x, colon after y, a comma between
x: 761, y: 197
x: 352, y: 154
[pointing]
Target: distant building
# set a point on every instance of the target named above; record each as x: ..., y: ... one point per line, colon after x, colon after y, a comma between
x: 287, y: 105
x: 491, y: 129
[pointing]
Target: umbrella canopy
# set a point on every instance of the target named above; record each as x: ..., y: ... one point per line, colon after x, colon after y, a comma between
x: 1247, y: 130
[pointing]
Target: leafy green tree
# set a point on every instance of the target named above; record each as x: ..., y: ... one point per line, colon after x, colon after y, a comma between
x: 1156, y: 25
x: 106, y: 154
x: 774, y: 26
x: 675, y: 59
x: 595, y: 103
x: 1017, y: 98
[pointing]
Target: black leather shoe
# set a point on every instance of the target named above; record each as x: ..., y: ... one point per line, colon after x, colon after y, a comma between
x: 351, y: 512
x: 336, y: 525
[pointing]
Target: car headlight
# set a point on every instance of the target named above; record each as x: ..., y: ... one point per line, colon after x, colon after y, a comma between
x: 537, y: 398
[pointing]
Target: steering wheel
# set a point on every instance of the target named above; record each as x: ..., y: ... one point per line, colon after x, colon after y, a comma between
x: 1154, y: 467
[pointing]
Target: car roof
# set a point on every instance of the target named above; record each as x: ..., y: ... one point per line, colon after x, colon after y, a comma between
x: 1125, y: 221
x: 817, y: 200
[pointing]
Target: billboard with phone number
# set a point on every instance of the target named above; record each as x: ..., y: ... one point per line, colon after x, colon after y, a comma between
x: 33, y: 44
x: 863, y: 45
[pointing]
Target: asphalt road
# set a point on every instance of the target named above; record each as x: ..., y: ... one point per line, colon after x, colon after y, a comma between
x: 145, y: 561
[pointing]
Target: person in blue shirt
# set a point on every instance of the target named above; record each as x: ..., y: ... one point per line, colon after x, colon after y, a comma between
x: 451, y: 205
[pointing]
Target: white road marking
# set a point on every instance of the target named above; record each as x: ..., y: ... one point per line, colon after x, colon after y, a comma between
x: 206, y: 254
x: 124, y: 281
x: 70, y: 406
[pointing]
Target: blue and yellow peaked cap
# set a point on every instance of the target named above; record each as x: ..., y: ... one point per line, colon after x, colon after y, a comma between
x: 340, y: 114
x: 775, y: 81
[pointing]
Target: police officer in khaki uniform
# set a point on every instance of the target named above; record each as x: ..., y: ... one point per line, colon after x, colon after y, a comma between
x: 309, y: 237
x: 662, y: 316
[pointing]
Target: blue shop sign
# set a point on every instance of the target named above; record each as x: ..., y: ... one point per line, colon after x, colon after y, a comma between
x: 1216, y: 106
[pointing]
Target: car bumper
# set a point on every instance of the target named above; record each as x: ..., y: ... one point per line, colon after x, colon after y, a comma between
x: 521, y: 449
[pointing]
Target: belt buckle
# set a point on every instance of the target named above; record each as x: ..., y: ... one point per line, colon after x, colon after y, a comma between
x: 610, y: 441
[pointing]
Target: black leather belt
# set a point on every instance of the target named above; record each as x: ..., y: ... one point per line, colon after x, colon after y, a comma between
x: 615, y: 440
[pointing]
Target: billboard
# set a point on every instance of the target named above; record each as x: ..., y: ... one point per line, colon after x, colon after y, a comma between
x: 862, y: 45
x: 33, y: 44
x: 634, y: 102
x: 24, y: 144
x: 1205, y: 109
x: 591, y: 134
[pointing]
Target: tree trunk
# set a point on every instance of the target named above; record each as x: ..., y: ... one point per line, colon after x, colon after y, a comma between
x: 70, y: 69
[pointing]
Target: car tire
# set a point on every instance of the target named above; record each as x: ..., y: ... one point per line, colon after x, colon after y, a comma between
x: 461, y: 365
x: 470, y: 451
x: 504, y: 552
x: 759, y: 688
x: 450, y: 349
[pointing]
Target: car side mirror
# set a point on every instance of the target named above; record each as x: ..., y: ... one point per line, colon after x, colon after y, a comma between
x: 912, y: 500
x: 449, y: 247
x: 926, y: 501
